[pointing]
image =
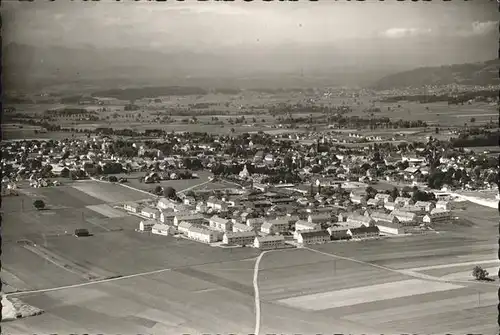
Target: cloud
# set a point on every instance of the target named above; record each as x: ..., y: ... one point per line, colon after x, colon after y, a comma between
x: 483, y: 28
x: 405, y: 32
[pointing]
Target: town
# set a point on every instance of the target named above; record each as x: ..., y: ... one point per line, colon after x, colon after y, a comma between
x: 281, y: 191
x: 250, y: 167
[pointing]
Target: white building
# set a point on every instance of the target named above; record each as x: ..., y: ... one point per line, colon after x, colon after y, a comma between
x: 202, y: 234
x: 132, y: 207
x: 150, y: 213
x: 381, y: 218
x: 389, y: 205
x: 255, y: 223
x: 192, y: 218
x: 269, y: 242
x: 425, y: 205
x: 357, y: 220
x: 338, y: 233
x: 275, y: 226
x: 164, y: 203
x: 382, y: 196
x: 240, y: 238
x: 391, y: 228
x: 446, y: 205
x: 217, y: 205
x: 313, y: 237
x: 405, y: 218
x: 163, y: 229
x: 403, y: 201
x: 183, y: 227
x: 220, y: 224
x: 239, y: 227
x: 146, y: 225
x: 363, y: 232
x: 437, y: 215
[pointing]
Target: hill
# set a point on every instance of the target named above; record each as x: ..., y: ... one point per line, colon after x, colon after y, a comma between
x: 485, y: 73
x: 89, y: 69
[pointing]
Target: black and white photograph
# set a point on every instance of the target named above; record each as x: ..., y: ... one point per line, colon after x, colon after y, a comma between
x: 250, y: 167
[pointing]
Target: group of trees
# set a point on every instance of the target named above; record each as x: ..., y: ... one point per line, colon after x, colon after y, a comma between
x: 167, y: 192
x: 481, y: 140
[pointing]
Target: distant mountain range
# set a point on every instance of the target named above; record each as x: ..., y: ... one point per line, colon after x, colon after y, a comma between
x: 89, y: 69
x: 485, y: 73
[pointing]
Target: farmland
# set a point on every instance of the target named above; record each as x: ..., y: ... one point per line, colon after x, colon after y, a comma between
x: 173, y: 285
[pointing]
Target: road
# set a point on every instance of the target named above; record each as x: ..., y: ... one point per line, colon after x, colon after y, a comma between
x: 256, y: 293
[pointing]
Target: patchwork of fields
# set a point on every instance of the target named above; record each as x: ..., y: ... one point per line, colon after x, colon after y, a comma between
x: 376, y: 286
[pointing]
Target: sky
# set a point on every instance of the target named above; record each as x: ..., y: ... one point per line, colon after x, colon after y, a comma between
x: 423, y: 31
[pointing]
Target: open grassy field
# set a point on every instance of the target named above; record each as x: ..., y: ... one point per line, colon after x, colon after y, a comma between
x: 127, y: 252
x: 166, y: 303
x: 109, y: 192
x: 133, y: 180
x: 321, y: 287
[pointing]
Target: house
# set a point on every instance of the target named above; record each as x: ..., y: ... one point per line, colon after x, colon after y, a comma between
x: 413, y: 209
x: 319, y: 218
x: 167, y: 216
x: 255, y: 223
x: 131, y: 207
x: 217, y: 204
x: 192, y: 218
x: 201, y: 207
x: 358, y: 199
x: 189, y: 201
x: 391, y: 205
x: 401, y: 201
x: 163, y: 229
x: 446, y: 205
x: 313, y: 237
x: 146, y: 225
x: 405, y: 218
x: 239, y: 238
x: 382, y: 218
x: 425, y: 205
x: 384, y: 197
x: 150, y: 213
x: 357, y: 220
x: 342, y: 217
x: 239, y: 227
x: 302, y: 226
x: 220, y: 224
x: 183, y: 227
x: 164, y: 203
x: 391, y: 228
x: 338, y: 233
x: 202, y: 234
x: 363, y: 232
x: 306, y: 225
x: 269, y: 242
x: 437, y: 215
x: 275, y: 226
x: 374, y: 202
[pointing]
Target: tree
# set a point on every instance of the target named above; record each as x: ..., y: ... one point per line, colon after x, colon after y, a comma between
x: 65, y: 172
x: 394, y: 193
x: 170, y: 193
x: 39, y: 204
x: 370, y: 192
x: 479, y: 273
x: 472, y: 119
x: 158, y: 190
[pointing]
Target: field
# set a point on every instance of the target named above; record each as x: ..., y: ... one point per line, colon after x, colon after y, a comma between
x: 171, y: 285
x: 133, y: 180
